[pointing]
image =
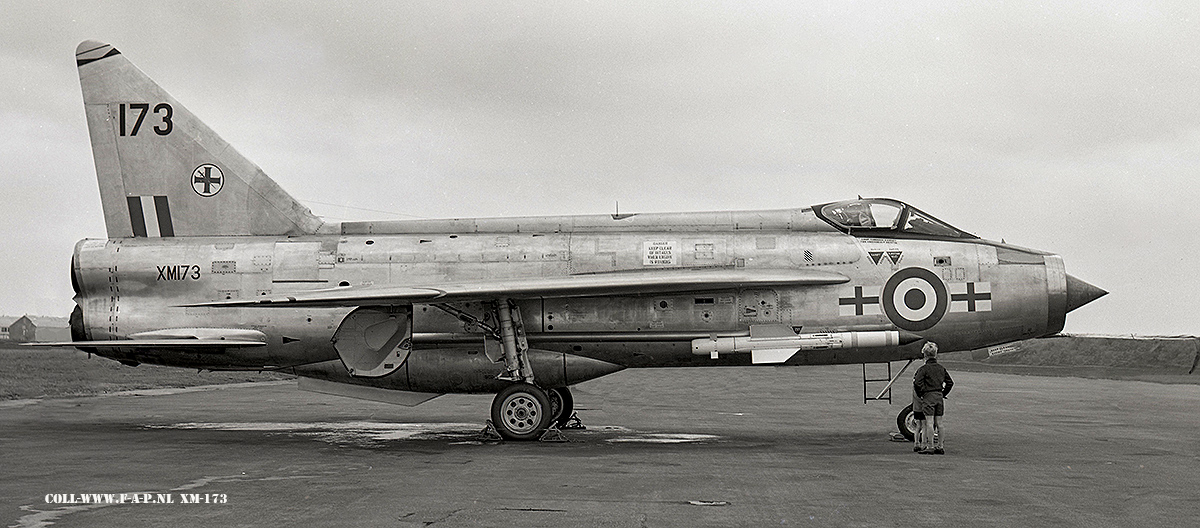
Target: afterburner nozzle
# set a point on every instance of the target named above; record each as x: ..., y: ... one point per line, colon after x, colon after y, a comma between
x: 1080, y: 293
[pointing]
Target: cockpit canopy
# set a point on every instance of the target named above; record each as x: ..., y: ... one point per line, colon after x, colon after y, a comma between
x: 885, y: 217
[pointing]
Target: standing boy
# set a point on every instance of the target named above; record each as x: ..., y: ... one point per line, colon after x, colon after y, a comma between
x: 932, y: 384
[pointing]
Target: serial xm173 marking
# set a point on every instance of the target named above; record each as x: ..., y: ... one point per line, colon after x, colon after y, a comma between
x: 161, y: 129
x: 179, y: 272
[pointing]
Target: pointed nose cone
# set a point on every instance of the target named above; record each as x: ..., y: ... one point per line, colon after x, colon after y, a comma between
x: 909, y: 337
x: 1080, y: 293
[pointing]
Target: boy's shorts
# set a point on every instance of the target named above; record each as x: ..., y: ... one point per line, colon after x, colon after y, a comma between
x: 932, y: 404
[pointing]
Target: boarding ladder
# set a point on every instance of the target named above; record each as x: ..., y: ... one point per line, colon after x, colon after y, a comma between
x: 889, y: 379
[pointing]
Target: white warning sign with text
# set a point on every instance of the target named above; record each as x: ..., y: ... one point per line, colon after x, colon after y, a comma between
x: 660, y: 253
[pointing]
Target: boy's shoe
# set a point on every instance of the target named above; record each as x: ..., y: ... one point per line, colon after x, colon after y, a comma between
x: 927, y: 452
x: 939, y: 451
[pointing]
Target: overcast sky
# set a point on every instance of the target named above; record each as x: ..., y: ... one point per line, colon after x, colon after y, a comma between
x: 1072, y: 127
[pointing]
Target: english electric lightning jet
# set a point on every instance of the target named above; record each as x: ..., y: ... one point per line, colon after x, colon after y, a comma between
x: 209, y: 264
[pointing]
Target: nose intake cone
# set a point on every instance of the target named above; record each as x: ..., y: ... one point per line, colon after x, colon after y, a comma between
x: 1080, y: 293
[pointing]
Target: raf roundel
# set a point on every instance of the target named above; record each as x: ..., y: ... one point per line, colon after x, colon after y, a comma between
x: 915, y: 299
x: 207, y: 180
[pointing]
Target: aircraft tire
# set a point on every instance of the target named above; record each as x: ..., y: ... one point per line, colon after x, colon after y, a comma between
x: 907, y: 423
x: 521, y: 412
x: 562, y: 404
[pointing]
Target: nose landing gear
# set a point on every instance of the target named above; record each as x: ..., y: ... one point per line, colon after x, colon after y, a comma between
x: 906, y: 422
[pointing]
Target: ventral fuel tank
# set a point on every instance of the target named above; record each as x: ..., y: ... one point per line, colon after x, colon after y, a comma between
x: 464, y: 370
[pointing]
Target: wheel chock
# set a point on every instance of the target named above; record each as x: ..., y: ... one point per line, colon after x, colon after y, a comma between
x: 574, y: 422
x: 489, y: 433
x: 554, y: 435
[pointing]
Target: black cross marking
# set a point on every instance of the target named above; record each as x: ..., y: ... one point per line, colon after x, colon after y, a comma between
x: 858, y: 301
x: 207, y: 180
x: 971, y: 296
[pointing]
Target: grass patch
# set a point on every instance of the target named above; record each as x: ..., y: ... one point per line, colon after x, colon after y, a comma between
x: 1152, y: 375
x: 49, y: 372
x: 1157, y: 360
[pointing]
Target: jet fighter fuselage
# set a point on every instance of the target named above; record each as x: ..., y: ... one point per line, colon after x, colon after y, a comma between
x: 961, y: 292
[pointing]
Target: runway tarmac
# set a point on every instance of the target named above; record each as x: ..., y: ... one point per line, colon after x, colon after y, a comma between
x: 669, y: 447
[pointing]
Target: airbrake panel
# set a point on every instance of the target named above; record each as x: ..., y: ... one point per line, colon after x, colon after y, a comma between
x: 375, y: 341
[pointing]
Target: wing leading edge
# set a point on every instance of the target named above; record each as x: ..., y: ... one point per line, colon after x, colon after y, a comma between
x: 614, y: 283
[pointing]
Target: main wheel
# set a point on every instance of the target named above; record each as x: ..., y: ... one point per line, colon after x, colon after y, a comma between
x: 562, y: 404
x: 906, y: 421
x: 521, y: 412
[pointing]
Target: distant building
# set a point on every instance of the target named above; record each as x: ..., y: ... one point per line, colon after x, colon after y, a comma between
x: 5, y: 322
x: 22, y: 330
x: 30, y: 328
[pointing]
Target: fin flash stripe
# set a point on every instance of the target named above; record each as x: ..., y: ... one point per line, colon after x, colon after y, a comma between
x: 160, y: 210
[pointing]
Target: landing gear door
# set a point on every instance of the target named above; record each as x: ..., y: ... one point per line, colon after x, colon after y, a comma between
x: 374, y: 341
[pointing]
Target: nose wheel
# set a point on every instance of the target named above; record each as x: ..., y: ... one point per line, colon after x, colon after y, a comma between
x: 906, y: 421
x: 521, y: 412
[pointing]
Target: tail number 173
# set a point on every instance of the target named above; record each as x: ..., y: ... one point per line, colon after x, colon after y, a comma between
x: 136, y: 113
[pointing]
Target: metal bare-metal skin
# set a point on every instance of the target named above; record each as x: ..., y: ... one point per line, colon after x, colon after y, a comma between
x: 209, y: 264
x: 125, y: 290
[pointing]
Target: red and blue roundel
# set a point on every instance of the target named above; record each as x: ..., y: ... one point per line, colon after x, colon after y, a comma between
x: 915, y: 299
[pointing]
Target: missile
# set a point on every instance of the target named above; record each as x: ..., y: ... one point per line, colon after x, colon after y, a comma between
x: 778, y: 343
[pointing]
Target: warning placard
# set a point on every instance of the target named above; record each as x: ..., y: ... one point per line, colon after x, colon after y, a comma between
x: 660, y: 253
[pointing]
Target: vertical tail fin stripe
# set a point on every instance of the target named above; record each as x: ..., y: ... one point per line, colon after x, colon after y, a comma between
x: 136, y: 218
x: 148, y: 212
x: 164, y: 216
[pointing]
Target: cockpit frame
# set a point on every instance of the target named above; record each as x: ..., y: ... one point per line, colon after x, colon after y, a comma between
x: 886, y: 218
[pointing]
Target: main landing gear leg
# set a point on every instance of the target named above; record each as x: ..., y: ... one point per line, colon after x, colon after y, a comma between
x: 520, y: 411
x: 513, y: 342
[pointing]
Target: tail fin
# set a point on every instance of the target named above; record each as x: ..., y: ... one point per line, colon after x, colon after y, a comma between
x: 163, y: 172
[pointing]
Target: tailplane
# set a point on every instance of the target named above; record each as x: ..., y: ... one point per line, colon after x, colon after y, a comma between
x: 162, y: 171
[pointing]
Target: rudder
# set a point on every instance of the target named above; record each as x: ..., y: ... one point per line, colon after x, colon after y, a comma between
x: 163, y: 172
